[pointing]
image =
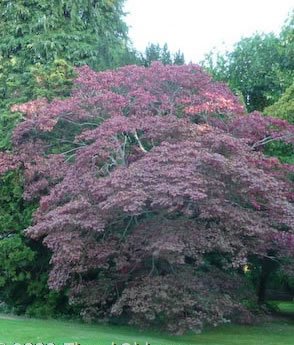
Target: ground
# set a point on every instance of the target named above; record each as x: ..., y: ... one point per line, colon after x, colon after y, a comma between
x: 279, y: 331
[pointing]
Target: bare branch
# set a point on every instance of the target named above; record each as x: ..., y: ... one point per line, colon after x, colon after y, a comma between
x: 267, y: 140
x: 139, y: 142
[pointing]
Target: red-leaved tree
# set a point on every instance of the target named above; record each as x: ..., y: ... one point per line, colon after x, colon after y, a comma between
x: 154, y: 193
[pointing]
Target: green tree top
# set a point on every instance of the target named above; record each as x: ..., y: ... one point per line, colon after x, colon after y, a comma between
x: 252, y: 69
x: 259, y: 67
x: 154, y: 52
x: 287, y: 41
x: 79, y: 31
x: 284, y: 107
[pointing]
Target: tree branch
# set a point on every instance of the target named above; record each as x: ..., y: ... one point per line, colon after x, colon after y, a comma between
x: 267, y: 140
x: 139, y: 142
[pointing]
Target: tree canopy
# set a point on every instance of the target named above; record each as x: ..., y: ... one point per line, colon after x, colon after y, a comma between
x: 154, y: 193
x: 251, y: 69
x: 83, y: 32
x: 284, y: 107
x: 259, y: 68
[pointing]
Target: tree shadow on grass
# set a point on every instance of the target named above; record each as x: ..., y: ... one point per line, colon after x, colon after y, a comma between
x: 283, y: 309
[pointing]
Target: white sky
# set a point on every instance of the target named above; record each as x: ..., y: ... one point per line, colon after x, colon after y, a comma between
x: 197, y: 26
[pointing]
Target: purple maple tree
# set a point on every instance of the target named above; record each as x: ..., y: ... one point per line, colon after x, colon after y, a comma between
x: 154, y: 193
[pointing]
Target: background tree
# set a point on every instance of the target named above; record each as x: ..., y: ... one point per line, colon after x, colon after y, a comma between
x: 253, y: 69
x: 259, y: 67
x: 284, y: 107
x: 260, y: 71
x: 83, y: 32
x: 287, y: 42
x: 154, y: 52
x: 166, y: 58
x: 179, y: 58
x: 24, y: 263
x: 36, y: 31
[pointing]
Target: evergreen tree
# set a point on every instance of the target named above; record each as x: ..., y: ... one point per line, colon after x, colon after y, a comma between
x: 179, y: 58
x: 154, y: 52
x: 79, y: 31
x: 166, y: 55
x: 38, y: 31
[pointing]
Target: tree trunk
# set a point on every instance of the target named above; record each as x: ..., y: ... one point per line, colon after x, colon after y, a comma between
x: 267, y: 267
x: 262, y: 286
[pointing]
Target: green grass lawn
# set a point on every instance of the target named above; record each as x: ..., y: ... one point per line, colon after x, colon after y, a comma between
x: 22, y: 330
x: 285, y: 306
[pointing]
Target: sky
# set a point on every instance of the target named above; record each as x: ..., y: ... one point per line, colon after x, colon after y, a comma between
x: 198, y: 26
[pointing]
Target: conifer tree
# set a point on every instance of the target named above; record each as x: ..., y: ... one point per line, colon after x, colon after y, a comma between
x: 82, y: 32
x: 154, y: 52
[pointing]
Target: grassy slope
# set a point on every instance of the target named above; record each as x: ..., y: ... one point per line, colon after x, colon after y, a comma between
x: 30, y: 330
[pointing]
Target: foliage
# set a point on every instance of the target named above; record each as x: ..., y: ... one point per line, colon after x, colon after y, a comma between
x: 39, y: 41
x: 37, y: 36
x: 284, y: 107
x: 52, y: 80
x: 162, y: 191
x: 162, y: 300
x: 15, y: 255
x: 21, y: 266
x: 287, y: 42
x: 83, y: 32
x: 23, y: 263
x: 253, y: 68
x: 259, y: 67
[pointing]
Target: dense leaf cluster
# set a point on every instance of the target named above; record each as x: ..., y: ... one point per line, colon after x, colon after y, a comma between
x: 75, y: 30
x: 284, y: 107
